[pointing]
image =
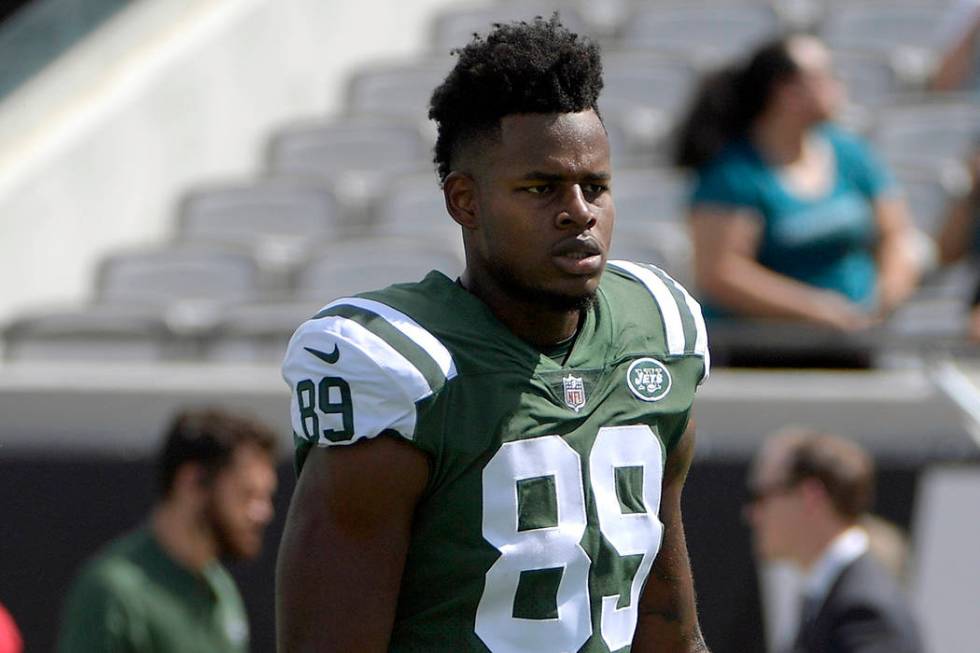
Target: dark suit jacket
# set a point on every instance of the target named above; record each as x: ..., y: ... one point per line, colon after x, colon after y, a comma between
x: 865, y: 611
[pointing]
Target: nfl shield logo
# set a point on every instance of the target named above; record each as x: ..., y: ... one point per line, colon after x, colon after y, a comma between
x: 574, y: 392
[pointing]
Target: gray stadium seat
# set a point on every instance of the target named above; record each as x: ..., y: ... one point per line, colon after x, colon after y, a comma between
x: 647, y: 78
x: 882, y: 26
x: 329, y: 150
x: 257, y: 331
x: 400, y: 90
x: 111, y: 334
x: 647, y: 195
x: 707, y: 32
x: 455, y: 28
x: 367, y: 264
x: 279, y: 219
x: 932, y: 133
x: 355, y: 156
x: 192, y: 273
x: 869, y: 77
x: 664, y: 244
x: 413, y: 207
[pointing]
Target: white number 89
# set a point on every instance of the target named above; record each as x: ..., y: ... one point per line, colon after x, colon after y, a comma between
x: 560, y: 546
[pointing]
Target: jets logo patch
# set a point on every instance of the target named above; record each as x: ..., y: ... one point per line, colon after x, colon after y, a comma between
x: 648, y: 379
x: 574, y: 392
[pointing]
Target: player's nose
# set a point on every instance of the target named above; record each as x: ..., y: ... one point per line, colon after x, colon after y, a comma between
x: 575, y: 211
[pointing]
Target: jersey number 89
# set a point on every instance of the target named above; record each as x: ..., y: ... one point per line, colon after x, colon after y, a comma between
x: 559, y: 546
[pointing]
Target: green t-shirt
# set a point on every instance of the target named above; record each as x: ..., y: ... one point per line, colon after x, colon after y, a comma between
x: 134, y: 598
x: 540, y: 522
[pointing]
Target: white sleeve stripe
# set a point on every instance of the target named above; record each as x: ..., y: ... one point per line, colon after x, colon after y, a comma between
x: 378, y: 350
x: 412, y: 330
x: 669, y: 310
x: 701, y: 341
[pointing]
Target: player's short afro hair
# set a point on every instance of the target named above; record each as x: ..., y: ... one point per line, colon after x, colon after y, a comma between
x: 535, y: 67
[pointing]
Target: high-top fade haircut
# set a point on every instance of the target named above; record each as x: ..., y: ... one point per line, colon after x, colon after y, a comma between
x: 535, y: 67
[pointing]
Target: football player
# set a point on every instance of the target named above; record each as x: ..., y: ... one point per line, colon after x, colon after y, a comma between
x: 495, y: 462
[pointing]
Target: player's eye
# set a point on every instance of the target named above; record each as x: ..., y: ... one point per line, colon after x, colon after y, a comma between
x: 539, y: 189
x: 594, y: 190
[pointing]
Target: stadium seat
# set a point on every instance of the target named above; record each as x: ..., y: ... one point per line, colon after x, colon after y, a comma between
x: 882, y: 26
x: 905, y: 31
x: 402, y: 90
x: 647, y: 78
x: 359, y: 145
x: 931, y: 133
x: 664, y: 244
x: 257, y: 331
x: 354, y: 155
x: 456, y: 27
x: 190, y: 281
x: 869, y: 77
x: 413, y: 207
x: 706, y: 32
x: 367, y: 264
x: 278, y: 219
x: 647, y: 195
x: 106, y: 333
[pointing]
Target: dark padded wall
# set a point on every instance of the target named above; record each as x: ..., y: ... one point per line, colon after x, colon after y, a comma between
x: 55, y: 513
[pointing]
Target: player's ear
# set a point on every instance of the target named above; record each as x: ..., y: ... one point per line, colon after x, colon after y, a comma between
x: 459, y: 191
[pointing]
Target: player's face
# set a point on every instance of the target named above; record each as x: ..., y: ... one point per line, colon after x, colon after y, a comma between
x: 544, y: 210
x: 240, y: 504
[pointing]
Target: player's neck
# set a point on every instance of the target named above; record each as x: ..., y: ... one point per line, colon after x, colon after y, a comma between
x: 182, y: 537
x: 538, y: 325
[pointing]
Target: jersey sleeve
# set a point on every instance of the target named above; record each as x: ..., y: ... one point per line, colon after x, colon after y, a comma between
x: 359, y: 369
x: 96, y: 617
x: 727, y: 183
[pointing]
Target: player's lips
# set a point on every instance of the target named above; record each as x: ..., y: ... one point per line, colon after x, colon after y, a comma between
x: 581, y: 255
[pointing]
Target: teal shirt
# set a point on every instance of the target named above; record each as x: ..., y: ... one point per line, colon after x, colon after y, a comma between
x: 826, y: 241
x: 134, y: 598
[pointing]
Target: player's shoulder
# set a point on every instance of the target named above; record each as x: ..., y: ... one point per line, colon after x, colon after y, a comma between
x: 381, y: 346
x: 644, y: 297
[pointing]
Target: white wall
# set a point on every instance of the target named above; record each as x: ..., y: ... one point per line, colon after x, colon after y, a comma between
x: 170, y: 93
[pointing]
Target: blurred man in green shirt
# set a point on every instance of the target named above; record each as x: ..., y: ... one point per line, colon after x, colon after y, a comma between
x: 162, y: 588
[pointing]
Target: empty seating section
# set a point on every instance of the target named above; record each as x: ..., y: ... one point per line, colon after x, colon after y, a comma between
x: 359, y: 265
x: 398, y: 90
x: 930, y: 133
x: 454, y: 29
x: 351, y: 202
x: 165, y: 275
x: 705, y: 32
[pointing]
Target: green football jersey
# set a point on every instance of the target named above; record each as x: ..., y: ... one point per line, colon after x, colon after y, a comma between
x: 540, y: 522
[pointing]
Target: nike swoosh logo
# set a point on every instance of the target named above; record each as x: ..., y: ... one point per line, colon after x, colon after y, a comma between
x: 330, y: 358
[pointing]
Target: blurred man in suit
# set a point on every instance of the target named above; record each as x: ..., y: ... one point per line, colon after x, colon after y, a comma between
x: 809, y: 491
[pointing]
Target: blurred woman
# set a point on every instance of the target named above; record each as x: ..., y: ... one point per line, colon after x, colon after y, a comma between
x: 792, y: 218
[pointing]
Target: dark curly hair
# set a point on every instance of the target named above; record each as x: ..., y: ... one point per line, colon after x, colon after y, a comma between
x: 535, y: 67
